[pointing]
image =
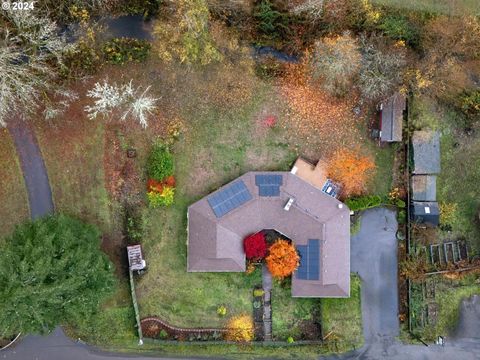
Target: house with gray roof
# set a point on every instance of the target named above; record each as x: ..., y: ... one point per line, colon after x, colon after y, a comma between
x: 424, y: 187
x: 426, y: 152
x: 317, y: 223
x: 391, y: 118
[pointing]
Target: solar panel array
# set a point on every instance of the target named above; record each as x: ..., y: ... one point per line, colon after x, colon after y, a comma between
x: 228, y: 199
x: 330, y: 188
x: 309, y: 268
x: 269, y: 185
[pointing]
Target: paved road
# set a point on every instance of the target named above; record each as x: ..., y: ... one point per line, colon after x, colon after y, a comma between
x: 33, y: 168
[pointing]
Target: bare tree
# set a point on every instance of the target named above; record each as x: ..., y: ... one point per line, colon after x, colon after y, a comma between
x: 383, y: 67
x: 30, y: 50
x: 336, y: 62
x: 313, y: 9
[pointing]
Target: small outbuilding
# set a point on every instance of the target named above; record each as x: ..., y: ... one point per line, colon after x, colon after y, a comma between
x: 424, y: 187
x: 427, y: 213
x: 391, y: 118
x: 426, y: 152
x: 135, y: 258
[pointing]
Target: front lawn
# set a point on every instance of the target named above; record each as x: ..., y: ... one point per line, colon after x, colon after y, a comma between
x: 342, y: 319
x: 294, y: 317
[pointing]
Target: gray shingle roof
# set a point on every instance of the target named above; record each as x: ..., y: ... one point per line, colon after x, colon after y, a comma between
x: 392, y: 118
x: 426, y: 152
x: 216, y: 244
x: 424, y: 187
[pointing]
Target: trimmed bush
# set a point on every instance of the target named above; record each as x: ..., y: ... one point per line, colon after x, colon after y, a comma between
x: 160, y: 163
x: 255, y: 246
x: 165, y: 198
x: 363, y: 202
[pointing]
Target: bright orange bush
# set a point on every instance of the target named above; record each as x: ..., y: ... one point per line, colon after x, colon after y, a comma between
x: 240, y: 328
x: 352, y: 170
x: 282, y: 259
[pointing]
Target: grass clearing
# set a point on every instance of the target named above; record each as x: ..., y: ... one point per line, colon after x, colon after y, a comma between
x: 73, y: 150
x: 293, y: 316
x: 14, y: 209
x: 447, y: 7
x: 342, y: 319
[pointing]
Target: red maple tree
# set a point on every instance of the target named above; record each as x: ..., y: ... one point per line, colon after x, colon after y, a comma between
x: 255, y: 246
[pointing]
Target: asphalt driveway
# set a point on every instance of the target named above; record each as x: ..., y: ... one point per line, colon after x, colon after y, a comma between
x: 374, y: 258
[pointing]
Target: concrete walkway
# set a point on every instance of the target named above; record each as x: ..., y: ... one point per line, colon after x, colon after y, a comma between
x: 33, y: 168
x: 267, y: 304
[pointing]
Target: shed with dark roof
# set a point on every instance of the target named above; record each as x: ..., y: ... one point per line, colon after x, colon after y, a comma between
x: 391, y: 118
x: 426, y: 152
x: 427, y: 213
x: 218, y: 223
x: 424, y: 187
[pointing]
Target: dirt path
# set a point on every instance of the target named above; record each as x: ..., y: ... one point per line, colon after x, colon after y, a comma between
x: 33, y: 168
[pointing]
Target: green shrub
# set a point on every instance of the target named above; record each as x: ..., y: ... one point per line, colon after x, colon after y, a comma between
x: 165, y: 198
x: 258, y: 292
x: 290, y: 340
x: 222, y: 310
x: 271, y: 22
x: 83, y: 59
x: 363, y: 202
x: 122, y: 50
x: 160, y: 163
x: 470, y: 105
x: 400, y: 203
x: 398, y: 27
x: 163, y: 334
x: 402, y: 217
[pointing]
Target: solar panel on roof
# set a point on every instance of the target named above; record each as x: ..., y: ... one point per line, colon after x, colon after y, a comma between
x: 309, y: 268
x: 268, y: 185
x: 269, y: 180
x: 228, y: 199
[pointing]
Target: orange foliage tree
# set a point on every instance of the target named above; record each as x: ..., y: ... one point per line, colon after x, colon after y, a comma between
x: 240, y: 328
x: 282, y: 259
x: 352, y: 170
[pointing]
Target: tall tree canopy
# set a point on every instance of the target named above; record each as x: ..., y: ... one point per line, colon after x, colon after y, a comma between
x: 51, y: 272
x: 30, y: 53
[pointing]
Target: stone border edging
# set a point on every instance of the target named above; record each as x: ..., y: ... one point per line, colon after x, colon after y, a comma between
x: 181, y: 330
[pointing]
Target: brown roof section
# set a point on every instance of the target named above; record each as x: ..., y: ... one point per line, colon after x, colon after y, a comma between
x: 315, y: 175
x: 216, y: 243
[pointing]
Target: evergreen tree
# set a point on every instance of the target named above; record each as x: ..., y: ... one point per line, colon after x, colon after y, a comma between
x: 51, y: 272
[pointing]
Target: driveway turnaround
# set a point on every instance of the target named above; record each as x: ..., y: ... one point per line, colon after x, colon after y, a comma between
x: 33, y: 168
x: 373, y: 256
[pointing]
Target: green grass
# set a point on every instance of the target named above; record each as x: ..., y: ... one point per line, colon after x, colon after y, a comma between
x: 215, y: 149
x: 343, y: 318
x: 449, y: 296
x: 381, y: 183
x: 449, y: 7
x: 288, y: 313
x: 14, y: 209
x: 75, y: 169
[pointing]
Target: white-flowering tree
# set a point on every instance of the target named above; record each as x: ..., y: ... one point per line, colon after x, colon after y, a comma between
x: 123, y: 99
x: 30, y: 51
